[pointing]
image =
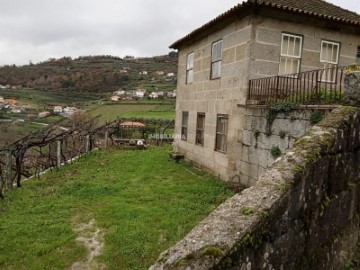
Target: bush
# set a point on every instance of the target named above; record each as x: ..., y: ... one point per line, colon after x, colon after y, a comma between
x: 275, y: 152
x: 316, y: 116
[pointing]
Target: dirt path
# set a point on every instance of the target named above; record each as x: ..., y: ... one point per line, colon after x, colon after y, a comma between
x: 93, y: 239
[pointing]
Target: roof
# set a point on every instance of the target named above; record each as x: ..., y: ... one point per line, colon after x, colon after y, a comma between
x: 314, y: 8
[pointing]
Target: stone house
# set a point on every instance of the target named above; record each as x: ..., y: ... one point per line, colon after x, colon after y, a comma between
x: 252, y: 40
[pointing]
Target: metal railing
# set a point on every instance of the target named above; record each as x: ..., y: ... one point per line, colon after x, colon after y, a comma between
x: 322, y: 86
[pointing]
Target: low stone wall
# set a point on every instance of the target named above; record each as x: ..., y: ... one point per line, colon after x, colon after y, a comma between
x: 259, y: 138
x: 302, y: 213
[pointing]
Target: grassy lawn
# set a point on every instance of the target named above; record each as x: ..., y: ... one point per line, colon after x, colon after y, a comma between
x: 110, y: 113
x: 160, y: 112
x: 142, y: 201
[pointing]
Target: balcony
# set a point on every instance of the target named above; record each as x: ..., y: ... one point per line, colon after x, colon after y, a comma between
x: 316, y: 87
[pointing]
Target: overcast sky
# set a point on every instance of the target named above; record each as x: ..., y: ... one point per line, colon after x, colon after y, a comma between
x: 37, y: 30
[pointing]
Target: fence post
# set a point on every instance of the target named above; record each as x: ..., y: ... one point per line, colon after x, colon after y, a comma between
x: 8, y: 170
x: 87, y: 143
x: 106, y: 138
x: 58, y: 154
x: 277, y: 88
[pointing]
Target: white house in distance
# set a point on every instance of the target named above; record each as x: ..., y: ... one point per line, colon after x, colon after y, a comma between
x: 68, y: 111
x: 2, y: 100
x: 57, y: 109
x: 43, y: 114
x: 114, y: 98
x: 171, y: 94
x: 159, y: 72
x: 119, y: 93
x: 16, y: 110
x: 161, y: 93
x: 139, y: 93
x: 170, y: 75
x: 154, y: 95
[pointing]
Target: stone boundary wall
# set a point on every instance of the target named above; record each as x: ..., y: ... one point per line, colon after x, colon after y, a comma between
x: 258, y: 138
x: 302, y: 213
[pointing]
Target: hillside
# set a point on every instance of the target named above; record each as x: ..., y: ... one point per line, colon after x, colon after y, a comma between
x: 94, y: 74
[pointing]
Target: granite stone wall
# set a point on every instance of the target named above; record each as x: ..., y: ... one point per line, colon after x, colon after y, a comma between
x: 352, y: 88
x: 302, y: 213
x: 258, y: 137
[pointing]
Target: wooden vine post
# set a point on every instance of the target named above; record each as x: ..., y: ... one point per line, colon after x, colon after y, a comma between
x: 87, y: 143
x: 8, y: 178
x: 58, y: 154
x: 106, y: 138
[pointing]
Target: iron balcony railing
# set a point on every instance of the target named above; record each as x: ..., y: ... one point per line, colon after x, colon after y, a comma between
x: 322, y: 86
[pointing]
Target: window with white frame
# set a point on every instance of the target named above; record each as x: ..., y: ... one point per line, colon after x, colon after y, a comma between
x: 184, y: 125
x: 290, y: 56
x: 189, y: 68
x: 221, y: 132
x: 216, y: 55
x: 329, y: 57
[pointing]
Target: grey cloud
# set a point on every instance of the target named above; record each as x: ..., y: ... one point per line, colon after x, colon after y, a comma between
x: 40, y: 29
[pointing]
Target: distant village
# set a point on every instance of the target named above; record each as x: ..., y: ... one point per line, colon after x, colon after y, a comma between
x: 141, y: 94
x: 11, y: 105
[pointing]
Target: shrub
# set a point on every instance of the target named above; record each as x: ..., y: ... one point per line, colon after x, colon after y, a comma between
x: 316, y: 116
x: 275, y: 152
x: 282, y: 134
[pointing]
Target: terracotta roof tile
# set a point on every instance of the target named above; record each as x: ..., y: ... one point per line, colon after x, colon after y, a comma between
x: 315, y: 8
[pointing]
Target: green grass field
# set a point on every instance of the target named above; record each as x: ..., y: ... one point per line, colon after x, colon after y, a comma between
x: 110, y: 113
x: 41, y: 99
x: 141, y: 201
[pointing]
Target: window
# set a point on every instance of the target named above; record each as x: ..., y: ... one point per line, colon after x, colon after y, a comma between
x: 189, y: 68
x: 358, y: 56
x: 200, y: 127
x: 329, y: 57
x: 290, y: 56
x: 221, y: 132
x: 216, y: 54
x: 184, y: 125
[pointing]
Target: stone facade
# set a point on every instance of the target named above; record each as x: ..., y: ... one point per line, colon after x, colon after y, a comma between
x: 352, y: 88
x: 251, y: 49
x: 258, y: 138
x: 302, y: 213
